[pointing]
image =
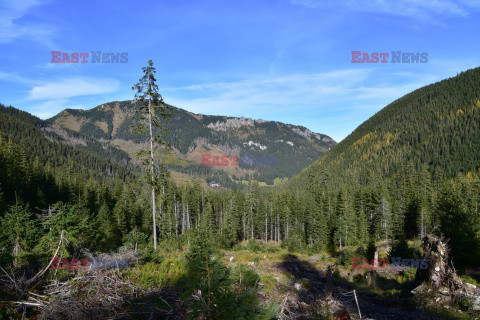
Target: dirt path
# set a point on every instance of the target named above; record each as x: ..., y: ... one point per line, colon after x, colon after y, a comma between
x: 371, y: 306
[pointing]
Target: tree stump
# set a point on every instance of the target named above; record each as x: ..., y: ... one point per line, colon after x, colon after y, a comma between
x: 440, y: 273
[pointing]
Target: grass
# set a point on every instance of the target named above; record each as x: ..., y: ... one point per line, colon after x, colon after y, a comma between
x: 472, y: 279
x: 269, y: 283
x: 254, y: 265
x: 449, y: 313
x: 150, y: 275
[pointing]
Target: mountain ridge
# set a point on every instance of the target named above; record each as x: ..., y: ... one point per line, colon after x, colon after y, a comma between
x: 441, y: 118
x: 192, y: 135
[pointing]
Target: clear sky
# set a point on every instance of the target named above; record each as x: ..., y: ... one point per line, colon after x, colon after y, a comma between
x: 283, y: 60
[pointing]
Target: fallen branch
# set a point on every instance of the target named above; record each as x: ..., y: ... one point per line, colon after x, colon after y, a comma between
x: 283, y: 304
x: 358, y: 307
x: 42, y: 272
x: 11, y: 279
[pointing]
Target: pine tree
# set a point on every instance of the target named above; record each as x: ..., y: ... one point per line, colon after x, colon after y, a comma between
x: 457, y: 226
x: 120, y: 212
x: 109, y: 233
x: 150, y: 112
x: 135, y: 239
x: 340, y: 225
x: 19, y: 229
x: 412, y: 215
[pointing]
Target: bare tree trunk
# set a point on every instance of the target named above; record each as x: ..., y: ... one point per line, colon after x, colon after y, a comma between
x: 385, y: 217
x: 286, y: 235
x: 151, y: 169
x: 176, y: 214
x: 346, y: 223
x: 221, y: 217
x: 199, y: 213
x: 422, y: 226
x: 271, y: 223
x: 188, y: 219
x: 184, y: 224
x: 203, y: 211
x: 16, y: 250
x: 278, y: 229
x: 243, y: 225
x: 266, y: 226
x: 251, y: 213
x: 161, y: 225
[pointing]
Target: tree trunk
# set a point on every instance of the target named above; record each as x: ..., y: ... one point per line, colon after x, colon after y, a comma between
x: 176, y: 215
x: 188, y: 219
x: 151, y: 169
x: 271, y: 223
x: 439, y: 270
x: 266, y: 227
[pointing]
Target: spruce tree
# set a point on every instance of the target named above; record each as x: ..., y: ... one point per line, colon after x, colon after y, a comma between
x: 458, y: 227
x: 19, y: 229
x: 107, y: 228
x: 151, y: 109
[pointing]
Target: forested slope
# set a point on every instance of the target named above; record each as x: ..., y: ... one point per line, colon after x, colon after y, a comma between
x: 436, y: 127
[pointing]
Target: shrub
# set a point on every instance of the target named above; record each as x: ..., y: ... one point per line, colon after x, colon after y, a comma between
x: 254, y: 246
x: 136, y: 239
x: 406, y: 275
x: 273, y: 249
x: 401, y: 249
x: 345, y: 258
x: 238, y: 247
x: 172, y: 244
x: 293, y: 244
x: 336, y: 274
x: 245, y: 276
x: 409, y: 274
x: 150, y: 255
x: 211, y: 282
x: 465, y: 304
x: 151, y: 274
x: 359, y: 278
x: 5, y: 259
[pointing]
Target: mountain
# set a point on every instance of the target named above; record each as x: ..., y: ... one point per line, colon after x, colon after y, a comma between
x: 286, y: 148
x: 434, y: 129
x: 62, y: 149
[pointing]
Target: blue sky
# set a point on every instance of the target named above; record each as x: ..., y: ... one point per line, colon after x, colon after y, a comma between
x: 283, y: 60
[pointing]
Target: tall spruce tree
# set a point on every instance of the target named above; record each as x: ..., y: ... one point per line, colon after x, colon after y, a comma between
x: 150, y: 110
